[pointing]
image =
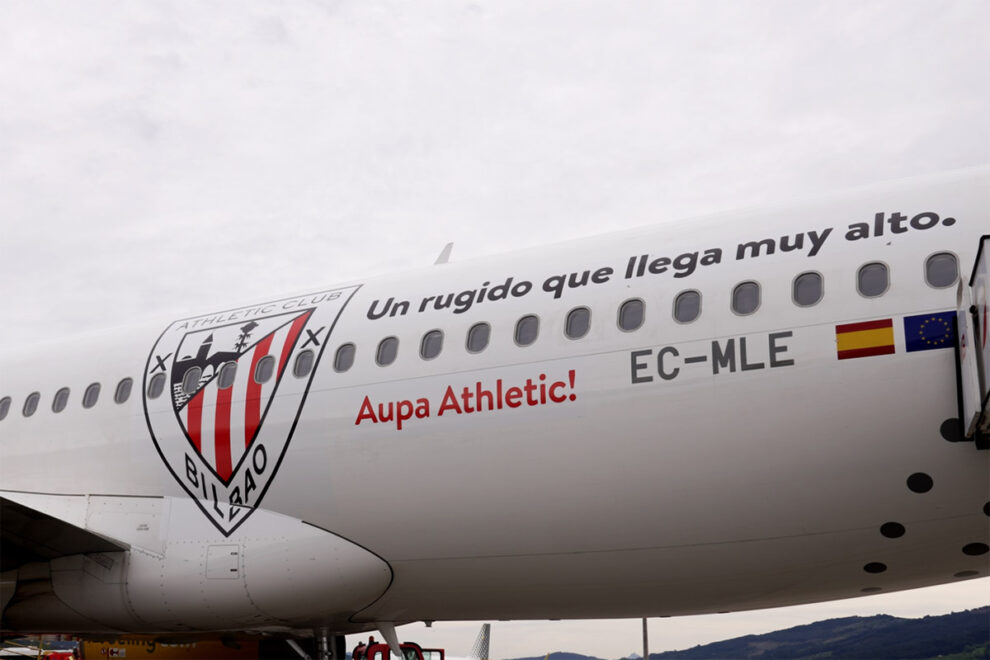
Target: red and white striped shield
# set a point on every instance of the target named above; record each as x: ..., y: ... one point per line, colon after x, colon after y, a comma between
x: 223, y: 393
x: 221, y: 422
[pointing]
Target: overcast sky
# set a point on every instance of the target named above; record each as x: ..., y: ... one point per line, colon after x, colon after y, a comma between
x: 167, y: 157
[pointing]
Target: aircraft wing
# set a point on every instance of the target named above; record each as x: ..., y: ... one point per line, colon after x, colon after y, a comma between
x: 28, y: 535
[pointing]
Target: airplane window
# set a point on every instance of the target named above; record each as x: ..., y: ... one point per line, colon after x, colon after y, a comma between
x: 4, y: 407
x: 156, y: 386
x: 31, y: 403
x: 872, y: 280
x: 578, y: 322
x: 431, y: 345
x: 190, y: 381
x: 631, y: 314
x: 303, y: 364
x: 478, y: 336
x: 746, y: 298
x: 123, y: 391
x: 228, y: 373
x: 807, y: 289
x: 387, y: 350
x: 941, y: 270
x: 527, y: 329
x: 264, y: 370
x: 91, y: 395
x: 61, y: 398
x: 344, y: 358
x: 687, y: 306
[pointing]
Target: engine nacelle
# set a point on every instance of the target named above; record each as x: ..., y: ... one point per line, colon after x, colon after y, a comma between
x: 181, y: 574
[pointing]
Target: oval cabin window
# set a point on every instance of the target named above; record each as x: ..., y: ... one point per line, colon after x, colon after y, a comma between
x: 304, y: 364
x: 264, y: 370
x: 431, y: 345
x: 687, y: 306
x: 228, y: 374
x: 156, y: 386
x: 808, y: 289
x: 61, y: 400
x: 578, y: 323
x: 631, y: 314
x: 478, y: 336
x: 91, y: 395
x: 746, y: 298
x: 941, y: 270
x: 872, y: 280
x: 123, y: 391
x: 190, y: 380
x: 343, y: 359
x: 31, y: 403
x: 387, y: 351
x: 527, y: 329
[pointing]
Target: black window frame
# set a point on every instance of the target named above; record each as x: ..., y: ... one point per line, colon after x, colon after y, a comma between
x: 186, y: 377
x: 821, y: 289
x: 91, y: 395
x: 941, y: 253
x: 225, y: 368
x: 759, y: 298
x: 436, y: 332
x: 518, y: 326
x: 642, y: 314
x: 311, y: 355
x: 260, y: 366
x: 859, y: 280
x: 347, y: 349
x: 60, y: 405
x: 567, y: 322
x: 154, y: 391
x: 392, y: 341
x: 679, y: 297
x: 125, y: 388
x: 470, y: 332
x: 31, y: 404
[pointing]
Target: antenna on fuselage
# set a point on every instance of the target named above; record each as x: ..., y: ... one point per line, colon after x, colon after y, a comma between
x: 444, y: 254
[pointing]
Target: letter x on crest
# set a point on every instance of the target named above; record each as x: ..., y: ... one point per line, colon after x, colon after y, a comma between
x: 312, y: 338
x: 161, y: 363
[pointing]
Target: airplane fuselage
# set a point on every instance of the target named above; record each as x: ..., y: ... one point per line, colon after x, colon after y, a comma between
x: 740, y: 459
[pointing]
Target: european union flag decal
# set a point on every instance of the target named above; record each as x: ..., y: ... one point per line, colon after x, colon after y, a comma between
x: 926, y: 332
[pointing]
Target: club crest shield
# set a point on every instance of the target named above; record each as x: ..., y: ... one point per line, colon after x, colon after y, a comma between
x: 223, y: 393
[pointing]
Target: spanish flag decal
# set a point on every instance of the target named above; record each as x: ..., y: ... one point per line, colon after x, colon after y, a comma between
x: 856, y: 340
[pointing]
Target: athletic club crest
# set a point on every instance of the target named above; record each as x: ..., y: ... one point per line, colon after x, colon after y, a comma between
x: 223, y: 393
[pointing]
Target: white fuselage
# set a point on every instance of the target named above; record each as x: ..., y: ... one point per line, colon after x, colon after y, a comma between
x: 727, y: 463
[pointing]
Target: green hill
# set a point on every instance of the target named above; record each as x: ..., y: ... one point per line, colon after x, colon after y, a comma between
x: 956, y: 636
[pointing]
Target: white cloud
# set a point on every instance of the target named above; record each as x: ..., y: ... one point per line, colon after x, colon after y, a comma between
x: 164, y: 152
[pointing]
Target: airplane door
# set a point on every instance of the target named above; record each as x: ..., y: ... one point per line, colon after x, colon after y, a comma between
x: 972, y: 309
x: 979, y: 285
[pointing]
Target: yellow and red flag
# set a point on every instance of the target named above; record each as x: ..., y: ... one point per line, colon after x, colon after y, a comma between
x: 856, y: 340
